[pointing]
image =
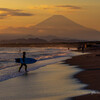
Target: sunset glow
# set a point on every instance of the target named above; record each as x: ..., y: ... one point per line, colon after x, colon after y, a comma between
x: 22, y: 13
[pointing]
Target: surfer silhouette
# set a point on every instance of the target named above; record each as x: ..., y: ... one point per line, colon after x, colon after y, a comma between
x: 23, y: 64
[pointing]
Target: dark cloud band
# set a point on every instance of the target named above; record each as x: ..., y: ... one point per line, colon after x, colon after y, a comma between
x: 69, y: 6
x: 13, y: 12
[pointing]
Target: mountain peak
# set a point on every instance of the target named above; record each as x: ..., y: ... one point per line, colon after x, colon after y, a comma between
x: 56, y: 16
x: 59, y: 17
x: 57, y: 21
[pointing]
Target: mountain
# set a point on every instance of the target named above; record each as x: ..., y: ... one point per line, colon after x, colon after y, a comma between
x: 64, y: 40
x: 56, y: 26
x: 63, y: 27
x: 57, y: 21
x: 23, y: 41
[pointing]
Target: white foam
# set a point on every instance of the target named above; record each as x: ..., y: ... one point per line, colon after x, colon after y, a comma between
x: 12, y: 72
x: 45, y: 56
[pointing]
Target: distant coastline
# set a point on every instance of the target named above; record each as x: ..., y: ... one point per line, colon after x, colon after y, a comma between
x: 90, y: 45
x: 39, y: 45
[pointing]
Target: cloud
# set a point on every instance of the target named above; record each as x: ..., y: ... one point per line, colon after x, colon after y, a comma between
x: 4, y: 12
x: 20, y: 14
x: 45, y: 7
x: 48, y: 7
x: 7, y: 9
x: 69, y: 6
x: 2, y: 16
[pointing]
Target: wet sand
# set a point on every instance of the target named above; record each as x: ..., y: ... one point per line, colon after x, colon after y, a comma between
x: 51, y: 82
x: 91, y: 74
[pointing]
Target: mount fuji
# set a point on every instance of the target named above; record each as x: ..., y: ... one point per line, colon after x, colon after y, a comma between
x: 56, y: 26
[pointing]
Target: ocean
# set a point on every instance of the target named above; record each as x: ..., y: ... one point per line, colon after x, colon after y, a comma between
x: 47, y: 79
x: 45, y: 56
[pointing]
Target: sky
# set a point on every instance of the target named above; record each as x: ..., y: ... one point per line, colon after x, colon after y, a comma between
x: 25, y: 13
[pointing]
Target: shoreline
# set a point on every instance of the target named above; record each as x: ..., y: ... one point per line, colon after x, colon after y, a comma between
x: 52, y: 82
x: 90, y: 63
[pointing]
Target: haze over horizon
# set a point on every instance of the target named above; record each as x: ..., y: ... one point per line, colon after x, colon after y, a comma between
x: 57, y: 26
x: 19, y: 17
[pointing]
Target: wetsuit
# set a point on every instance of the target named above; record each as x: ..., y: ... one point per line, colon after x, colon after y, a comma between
x: 23, y: 64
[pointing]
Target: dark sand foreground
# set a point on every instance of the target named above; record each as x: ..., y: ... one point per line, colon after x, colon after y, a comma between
x: 91, y: 74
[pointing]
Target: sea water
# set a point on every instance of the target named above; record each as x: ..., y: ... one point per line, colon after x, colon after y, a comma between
x: 47, y: 79
x: 45, y: 56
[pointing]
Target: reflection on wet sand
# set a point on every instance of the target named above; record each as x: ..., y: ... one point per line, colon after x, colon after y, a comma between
x: 52, y: 82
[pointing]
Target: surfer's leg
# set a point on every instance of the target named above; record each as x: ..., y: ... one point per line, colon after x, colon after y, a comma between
x: 20, y: 67
x: 25, y: 67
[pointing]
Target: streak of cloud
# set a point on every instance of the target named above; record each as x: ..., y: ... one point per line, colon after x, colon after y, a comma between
x: 4, y: 12
x: 47, y: 7
x: 69, y: 6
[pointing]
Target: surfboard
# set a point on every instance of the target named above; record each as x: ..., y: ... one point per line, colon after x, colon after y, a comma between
x: 26, y: 60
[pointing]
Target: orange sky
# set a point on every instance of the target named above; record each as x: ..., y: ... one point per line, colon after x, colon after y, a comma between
x: 24, y: 13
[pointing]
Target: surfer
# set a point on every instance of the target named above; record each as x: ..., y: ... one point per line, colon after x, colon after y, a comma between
x: 23, y: 64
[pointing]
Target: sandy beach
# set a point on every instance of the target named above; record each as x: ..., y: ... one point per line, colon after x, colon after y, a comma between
x: 91, y: 74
